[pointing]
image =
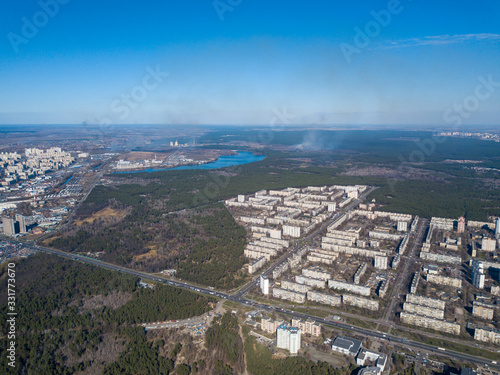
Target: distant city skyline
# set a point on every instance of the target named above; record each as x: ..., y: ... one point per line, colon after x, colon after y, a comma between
x: 238, y: 62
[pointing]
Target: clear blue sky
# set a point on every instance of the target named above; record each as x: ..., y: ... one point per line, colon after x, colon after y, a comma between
x: 234, y: 64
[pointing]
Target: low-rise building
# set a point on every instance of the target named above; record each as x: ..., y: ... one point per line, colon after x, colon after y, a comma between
x: 346, y: 345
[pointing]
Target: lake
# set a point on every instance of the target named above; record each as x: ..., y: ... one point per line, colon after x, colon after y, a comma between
x: 242, y: 157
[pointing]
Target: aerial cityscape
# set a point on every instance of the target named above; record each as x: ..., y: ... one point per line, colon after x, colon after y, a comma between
x: 232, y: 187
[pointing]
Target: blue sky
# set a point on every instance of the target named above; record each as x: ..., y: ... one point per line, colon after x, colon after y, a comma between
x: 234, y: 62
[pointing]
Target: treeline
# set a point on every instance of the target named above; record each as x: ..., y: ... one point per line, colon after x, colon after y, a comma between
x: 53, y: 324
x: 223, y: 337
x: 140, y: 357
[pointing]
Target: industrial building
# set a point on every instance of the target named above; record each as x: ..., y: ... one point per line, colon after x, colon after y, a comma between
x: 346, y: 345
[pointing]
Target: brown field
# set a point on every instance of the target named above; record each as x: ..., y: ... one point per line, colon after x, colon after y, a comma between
x: 105, y: 213
x: 152, y: 253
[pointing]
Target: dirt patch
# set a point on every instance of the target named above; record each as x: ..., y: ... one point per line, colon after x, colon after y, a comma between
x: 151, y: 254
x: 112, y: 300
x: 317, y: 356
x: 104, y: 214
x: 107, y: 352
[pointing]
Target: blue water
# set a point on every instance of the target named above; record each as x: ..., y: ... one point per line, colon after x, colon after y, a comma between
x: 242, y: 157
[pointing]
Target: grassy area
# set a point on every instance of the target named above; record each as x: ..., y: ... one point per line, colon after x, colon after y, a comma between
x: 361, y: 323
x: 471, y: 350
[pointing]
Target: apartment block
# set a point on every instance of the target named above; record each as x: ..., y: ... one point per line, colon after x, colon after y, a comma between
x: 354, y: 288
x: 295, y: 287
x: 423, y: 310
x: 360, y: 272
x: 288, y: 338
x: 444, y: 280
x: 426, y: 322
x: 425, y: 301
x: 440, y: 258
x: 309, y: 327
x: 380, y: 262
x: 364, y: 303
x: 486, y: 334
x: 289, y: 295
x: 414, y: 282
x: 317, y: 283
x: 316, y: 273
x: 270, y: 325
x: 324, y: 298
x: 483, y: 310
x: 488, y: 244
x: 254, y: 266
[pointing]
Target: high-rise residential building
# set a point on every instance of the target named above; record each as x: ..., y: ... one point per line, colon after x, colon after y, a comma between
x: 264, y: 285
x: 497, y: 228
x: 478, y: 275
x: 9, y: 226
x: 22, y: 223
x: 461, y: 225
x: 288, y: 338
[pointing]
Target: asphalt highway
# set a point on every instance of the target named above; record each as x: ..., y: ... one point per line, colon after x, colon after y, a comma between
x: 373, y: 334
